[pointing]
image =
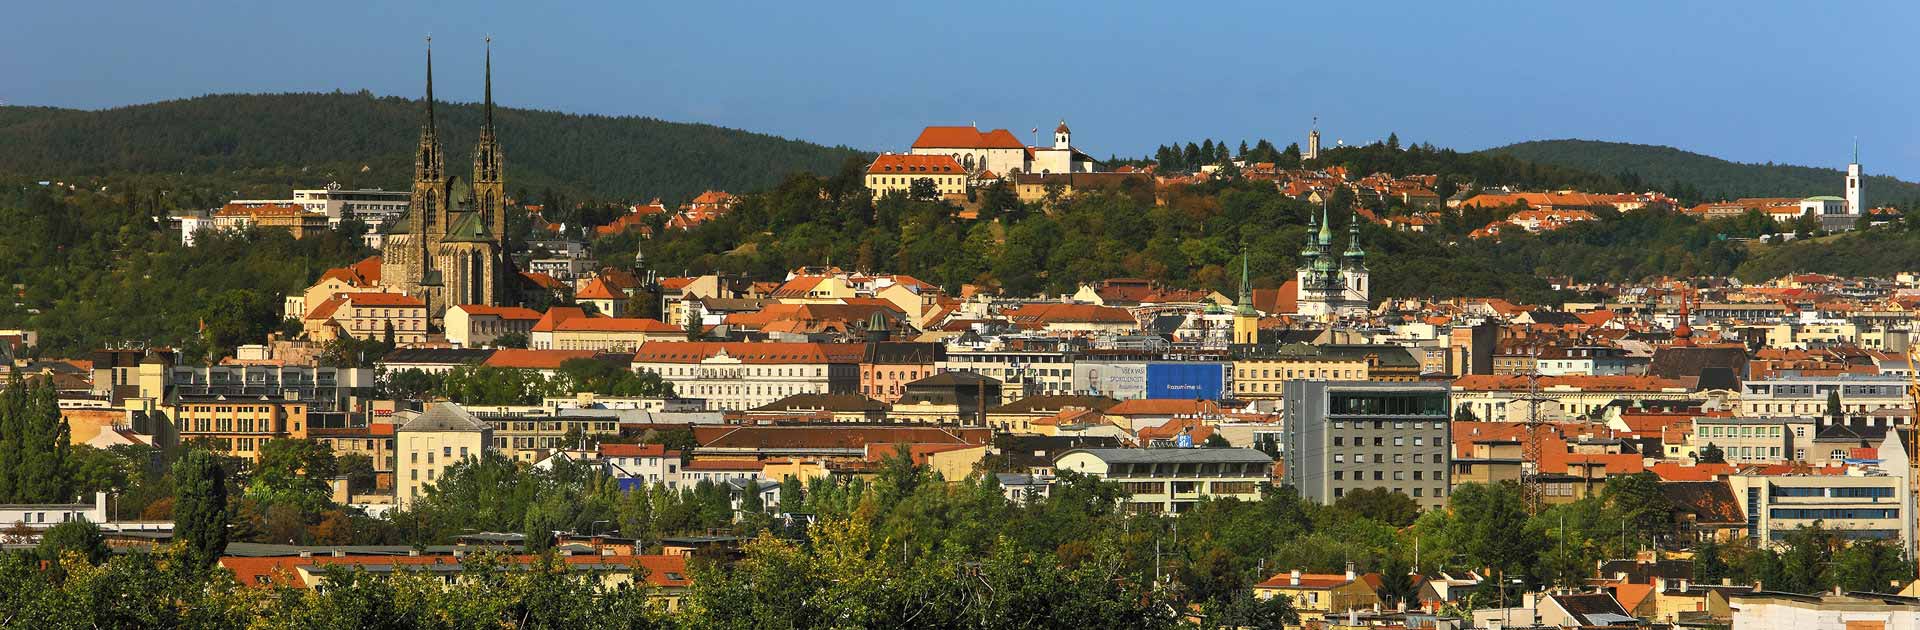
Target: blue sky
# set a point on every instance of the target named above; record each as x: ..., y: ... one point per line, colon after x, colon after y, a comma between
x: 1750, y: 81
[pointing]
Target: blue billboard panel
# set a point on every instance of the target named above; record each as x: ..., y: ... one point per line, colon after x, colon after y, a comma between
x: 1187, y: 381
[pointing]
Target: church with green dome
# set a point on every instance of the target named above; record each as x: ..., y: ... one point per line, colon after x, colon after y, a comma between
x: 1332, y: 286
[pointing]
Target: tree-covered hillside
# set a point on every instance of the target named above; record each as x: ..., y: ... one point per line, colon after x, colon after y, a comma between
x: 1697, y: 177
x: 288, y: 140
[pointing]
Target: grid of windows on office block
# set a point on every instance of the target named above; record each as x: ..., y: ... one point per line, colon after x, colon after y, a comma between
x: 1388, y: 404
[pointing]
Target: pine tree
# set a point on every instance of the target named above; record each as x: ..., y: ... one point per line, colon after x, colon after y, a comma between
x: 200, y: 508
x: 1243, y: 149
x: 1206, y: 150
x: 1190, y: 160
x: 1393, y: 141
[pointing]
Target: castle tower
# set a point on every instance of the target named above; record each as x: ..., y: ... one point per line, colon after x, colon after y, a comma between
x: 1855, y: 184
x: 1062, y: 137
x: 489, y: 168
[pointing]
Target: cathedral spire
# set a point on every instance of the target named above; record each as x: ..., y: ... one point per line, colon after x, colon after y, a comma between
x: 429, y: 84
x: 489, y: 124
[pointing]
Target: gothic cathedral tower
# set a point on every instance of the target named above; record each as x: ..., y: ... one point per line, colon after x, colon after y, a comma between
x: 451, y: 249
x: 489, y: 180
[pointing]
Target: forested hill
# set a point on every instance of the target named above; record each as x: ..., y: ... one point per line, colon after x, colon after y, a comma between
x: 362, y: 140
x: 1707, y: 177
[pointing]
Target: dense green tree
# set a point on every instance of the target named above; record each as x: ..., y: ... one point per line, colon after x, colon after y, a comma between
x: 1380, y: 504
x: 200, y: 508
x: 35, y: 453
x: 1709, y: 563
x: 1637, y: 499
x: 359, y: 470
x: 293, y: 471
x: 1873, y: 566
x: 79, y: 536
x: 410, y: 383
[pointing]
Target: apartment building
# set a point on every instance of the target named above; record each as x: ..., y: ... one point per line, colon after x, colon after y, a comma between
x: 1261, y: 371
x: 1806, y: 396
x: 1347, y: 435
x: 427, y: 443
x: 527, y: 438
x: 1021, y: 371
x: 612, y: 334
x: 1755, y: 440
x: 238, y: 426
x: 368, y: 316
x: 888, y: 367
x: 477, y: 325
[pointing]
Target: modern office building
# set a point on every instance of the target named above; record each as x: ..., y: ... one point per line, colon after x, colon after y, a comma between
x: 1342, y: 436
x: 1855, y: 507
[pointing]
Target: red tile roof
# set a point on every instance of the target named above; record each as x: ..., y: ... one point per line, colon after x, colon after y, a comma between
x: 386, y: 300
x: 502, y: 312
x: 747, y: 352
x: 534, y: 359
x: 260, y: 210
x: 555, y: 315
x: 615, y: 324
x: 597, y: 289
x: 1505, y: 382
x: 1041, y: 315
x: 966, y: 138
x: 1163, y: 407
x: 1313, y: 581
x: 633, y: 450
x: 544, y: 281
x: 665, y: 571
x: 895, y: 164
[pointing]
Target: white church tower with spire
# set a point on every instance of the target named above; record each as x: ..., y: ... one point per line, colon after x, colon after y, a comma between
x: 1331, y: 285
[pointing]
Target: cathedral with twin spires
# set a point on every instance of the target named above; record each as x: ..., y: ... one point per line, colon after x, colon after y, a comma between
x: 451, y: 247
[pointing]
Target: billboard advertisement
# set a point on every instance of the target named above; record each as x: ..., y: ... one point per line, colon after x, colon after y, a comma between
x: 1187, y: 381
x: 1117, y: 380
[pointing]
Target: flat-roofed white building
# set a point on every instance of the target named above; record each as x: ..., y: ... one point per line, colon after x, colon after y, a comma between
x: 1170, y: 480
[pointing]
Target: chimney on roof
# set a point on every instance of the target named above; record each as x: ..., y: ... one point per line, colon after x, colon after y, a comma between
x: 413, y: 553
x: 1293, y: 579
x: 306, y: 553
